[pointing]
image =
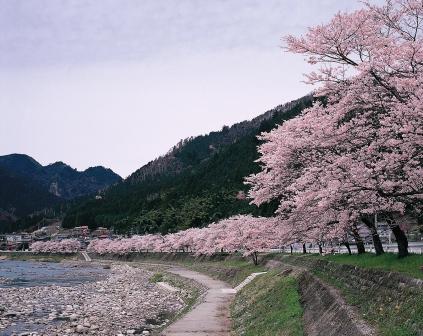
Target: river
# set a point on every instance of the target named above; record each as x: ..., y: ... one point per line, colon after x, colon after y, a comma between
x: 17, y: 275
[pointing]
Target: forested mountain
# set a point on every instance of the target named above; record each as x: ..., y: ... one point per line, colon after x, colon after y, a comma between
x: 198, y: 181
x: 59, y: 178
x: 20, y: 195
x: 26, y: 186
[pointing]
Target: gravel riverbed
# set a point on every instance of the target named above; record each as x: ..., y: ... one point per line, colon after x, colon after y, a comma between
x: 123, y: 302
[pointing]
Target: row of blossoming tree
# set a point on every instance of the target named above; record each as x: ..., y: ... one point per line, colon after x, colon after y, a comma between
x: 64, y: 246
x: 245, y: 234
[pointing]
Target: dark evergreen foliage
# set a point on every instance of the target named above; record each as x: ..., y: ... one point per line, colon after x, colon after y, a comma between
x: 28, y: 188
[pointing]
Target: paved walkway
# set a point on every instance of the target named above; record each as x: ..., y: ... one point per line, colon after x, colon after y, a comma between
x: 247, y: 280
x: 86, y: 256
x: 211, y: 316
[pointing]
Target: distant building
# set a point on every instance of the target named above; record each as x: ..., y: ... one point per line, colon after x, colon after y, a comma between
x: 80, y: 231
x: 101, y: 232
x: 63, y: 234
x: 18, y: 241
x: 3, y: 244
x: 46, y: 232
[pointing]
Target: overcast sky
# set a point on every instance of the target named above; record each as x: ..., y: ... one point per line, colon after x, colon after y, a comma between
x: 118, y: 82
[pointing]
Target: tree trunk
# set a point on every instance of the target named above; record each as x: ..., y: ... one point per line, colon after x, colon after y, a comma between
x: 255, y: 258
x: 375, y: 236
x: 292, y: 249
x: 304, y: 249
x: 358, y: 240
x: 402, y: 241
x: 400, y: 237
x: 320, y: 249
x: 347, y: 245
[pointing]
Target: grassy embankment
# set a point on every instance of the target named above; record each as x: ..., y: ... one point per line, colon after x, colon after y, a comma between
x: 392, y: 313
x: 268, y: 306
x: 411, y: 265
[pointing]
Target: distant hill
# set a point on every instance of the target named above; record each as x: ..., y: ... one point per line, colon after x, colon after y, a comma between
x: 198, y: 181
x: 20, y: 195
x: 59, y: 178
x: 26, y: 186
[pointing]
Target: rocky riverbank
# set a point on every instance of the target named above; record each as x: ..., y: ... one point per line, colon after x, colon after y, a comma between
x: 125, y: 302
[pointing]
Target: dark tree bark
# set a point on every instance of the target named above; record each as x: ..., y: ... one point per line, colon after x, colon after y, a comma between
x: 255, y: 258
x: 375, y: 236
x: 347, y: 245
x: 358, y: 241
x: 400, y: 237
x: 292, y: 249
x: 402, y: 241
x: 304, y: 249
x: 320, y: 249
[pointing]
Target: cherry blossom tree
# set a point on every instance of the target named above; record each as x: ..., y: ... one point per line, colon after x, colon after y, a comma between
x: 64, y: 246
x: 358, y: 150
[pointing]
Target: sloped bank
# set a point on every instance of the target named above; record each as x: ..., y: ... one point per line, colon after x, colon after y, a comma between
x: 325, y: 312
x: 392, y: 302
x: 268, y: 306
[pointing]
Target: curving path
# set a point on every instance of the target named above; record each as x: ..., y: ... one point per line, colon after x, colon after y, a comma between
x: 86, y: 256
x: 211, y: 316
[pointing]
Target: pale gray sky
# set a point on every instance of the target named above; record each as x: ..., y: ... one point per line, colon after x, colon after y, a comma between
x: 119, y: 82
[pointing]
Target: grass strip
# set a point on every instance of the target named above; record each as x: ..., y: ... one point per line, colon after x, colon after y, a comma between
x: 268, y: 306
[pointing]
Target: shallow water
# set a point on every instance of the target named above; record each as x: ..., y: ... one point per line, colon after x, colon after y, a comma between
x: 19, y: 274
x: 16, y: 273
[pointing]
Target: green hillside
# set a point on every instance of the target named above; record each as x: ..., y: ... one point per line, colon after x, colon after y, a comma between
x: 199, y: 181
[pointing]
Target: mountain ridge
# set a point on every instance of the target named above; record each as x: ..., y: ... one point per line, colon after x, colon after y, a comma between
x: 173, y: 162
x: 27, y: 186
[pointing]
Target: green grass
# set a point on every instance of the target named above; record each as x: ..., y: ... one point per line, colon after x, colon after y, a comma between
x: 268, y: 306
x: 393, y: 312
x: 156, y: 277
x: 393, y: 315
x: 411, y: 265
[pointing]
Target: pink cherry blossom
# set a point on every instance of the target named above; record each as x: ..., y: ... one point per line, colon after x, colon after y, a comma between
x: 64, y: 246
x: 358, y: 151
